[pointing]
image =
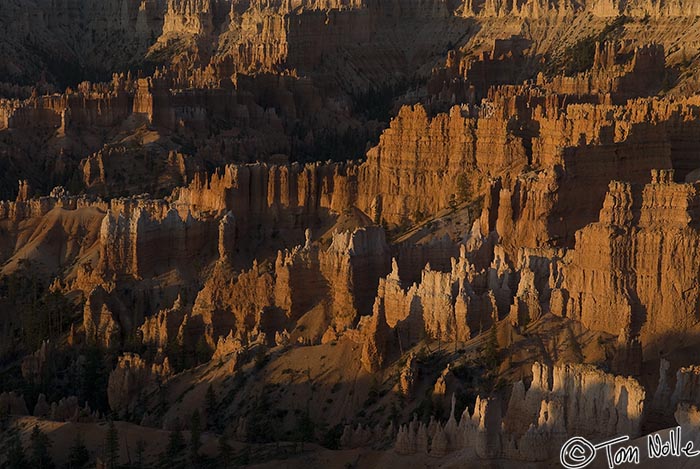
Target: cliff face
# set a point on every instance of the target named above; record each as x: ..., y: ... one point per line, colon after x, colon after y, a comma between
x: 129, y: 381
x: 228, y: 304
x: 308, y: 36
x: 134, y: 170
x: 161, y: 329
x: 287, y: 196
x: 205, y: 213
x: 537, y: 420
x: 190, y: 17
x: 528, y: 153
x: 202, y: 92
x: 338, y: 279
x: 413, y: 154
x: 613, y: 77
x: 60, y: 33
x: 549, y: 155
x: 467, y: 300
x: 605, y: 282
x: 624, y: 274
x: 100, y: 130
x: 599, y: 8
x: 609, y: 145
x: 353, y: 264
x: 136, y: 243
x: 442, y: 306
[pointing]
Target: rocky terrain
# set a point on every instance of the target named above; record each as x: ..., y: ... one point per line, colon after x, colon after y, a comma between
x: 345, y: 233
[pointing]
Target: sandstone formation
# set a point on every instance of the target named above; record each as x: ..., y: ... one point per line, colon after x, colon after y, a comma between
x: 35, y: 366
x: 130, y: 379
x: 558, y: 403
x: 65, y: 410
x: 636, y: 224
x: 12, y: 404
x: 338, y: 221
x: 162, y: 328
x: 352, y: 264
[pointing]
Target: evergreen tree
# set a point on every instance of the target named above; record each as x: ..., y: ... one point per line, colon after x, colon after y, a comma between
x: 4, y: 418
x: 112, y: 446
x: 202, y: 351
x: 172, y: 457
x: 94, y: 379
x: 176, y: 355
x: 260, y: 426
x: 40, y: 444
x: 175, y: 443
x: 140, y: 450
x: 210, y: 405
x: 305, y: 428
x: 225, y: 452
x: 195, y: 436
x: 464, y: 189
x: 491, y: 352
x: 78, y: 455
x: 15, y: 453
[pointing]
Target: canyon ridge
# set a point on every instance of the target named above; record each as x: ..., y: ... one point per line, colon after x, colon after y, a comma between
x: 346, y: 233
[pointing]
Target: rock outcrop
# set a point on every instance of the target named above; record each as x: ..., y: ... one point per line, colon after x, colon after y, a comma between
x: 604, y: 9
x: 565, y: 400
x: 161, y: 329
x: 454, y: 305
x: 65, y: 410
x: 414, y: 154
x: 224, y: 212
x: 129, y: 381
x: 632, y: 279
x: 12, y: 404
x: 687, y: 385
x: 37, y: 365
x: 352, y: 265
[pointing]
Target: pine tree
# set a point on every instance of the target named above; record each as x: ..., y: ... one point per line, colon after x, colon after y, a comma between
x: 15, y: 454
x: 195, y: 436
x: 210, y: 405
x: 4, y: 418
x: 491, y: 350
x: 140, y: 450
x: 78, y: 455
x: 175, y: 443
x: 464, y: 189
x: 225, y: 452
x: 176, y: 355
x: 112, y: 446
x: 202, y: 351
x: 305, y: 428
x: 172, y: 457
x: 94, y: 378
x: 40, y: 445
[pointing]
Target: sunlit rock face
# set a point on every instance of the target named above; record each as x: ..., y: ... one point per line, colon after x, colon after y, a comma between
x: 412, y: 230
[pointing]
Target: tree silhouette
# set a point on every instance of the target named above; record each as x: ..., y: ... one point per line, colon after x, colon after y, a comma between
x: 140, y: 450
x: 225, y: 452
x: 112, y: 446
x: 94, y: 376
x: 195, y: 436
x: 172, y: 457
x: 464, y: 188
x: 15, y: 453
x: 78, y: 454
x: 491, y: 351
x: 210, y: 405
x: 40, y: 444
